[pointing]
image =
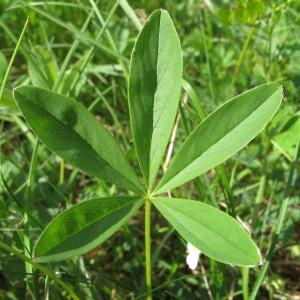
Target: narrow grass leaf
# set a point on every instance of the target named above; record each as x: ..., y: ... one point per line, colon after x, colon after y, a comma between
x: 42, y: 67
x: 224, y: 132
x: 197, y: 103
x: 154, y: 90
x: 72, y: 132
x: 129, y: 11
x: 213, y: 232
x: 286, y: 141
x: 83, y: 227
x: 3, y: 66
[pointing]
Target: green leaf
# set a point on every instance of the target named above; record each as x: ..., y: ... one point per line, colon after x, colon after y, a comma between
x: 42, y: 67
x: 224, y: 132
x: 74, y: 73
x: 213, y: 232
x: 190, y: 90
x: 7, y: 103
x: 286, y: 141
x: 154, y: 90
x: 83, y: 227
x: 71, y: 131
x: 3, y: 66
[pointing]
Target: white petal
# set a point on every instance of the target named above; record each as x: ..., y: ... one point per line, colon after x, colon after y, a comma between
x: 192, y: 249
x: 192, y: 257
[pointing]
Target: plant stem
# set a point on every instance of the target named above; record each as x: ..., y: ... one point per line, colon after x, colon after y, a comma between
x: 62, y: 172
x: 148, y: 247
x: 245, y: 282
x: 241, y: 59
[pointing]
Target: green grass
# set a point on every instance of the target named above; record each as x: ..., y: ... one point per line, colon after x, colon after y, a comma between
x: 82, y: 49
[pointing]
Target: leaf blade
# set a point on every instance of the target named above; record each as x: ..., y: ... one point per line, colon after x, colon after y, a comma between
x: 213, y: 232
x: 154, y: 90
x: 83, y: 227
x: 286, y: 141
x: 73, y: 133
x: 224, y: 132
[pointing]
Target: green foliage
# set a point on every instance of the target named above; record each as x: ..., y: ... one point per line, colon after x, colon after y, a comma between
x: 243, y: 11
x: 3, y: 66
x: 155, y: 80
x: 83, y: 227
x: 286, y: 141
x: 42, y: 68
x: 216, y: 234
x: 154, y: 89
x: 81, y: 50
x: 66, y: 127
x: 7, y: 102
x: 223, y: 133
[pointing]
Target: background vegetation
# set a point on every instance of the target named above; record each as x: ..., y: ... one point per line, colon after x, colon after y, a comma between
x: 82, y: 48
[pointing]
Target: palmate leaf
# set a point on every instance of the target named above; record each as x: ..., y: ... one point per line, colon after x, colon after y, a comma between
x: 83, y: 227
x: 154, y: 90
x: 224, y: 132
x: 213, y: 232
x: 72, y: 132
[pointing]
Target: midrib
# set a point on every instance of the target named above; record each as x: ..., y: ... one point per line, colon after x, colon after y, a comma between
x: 218, y: 140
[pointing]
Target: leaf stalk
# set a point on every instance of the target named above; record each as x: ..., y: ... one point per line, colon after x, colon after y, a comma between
x: 148, y: 246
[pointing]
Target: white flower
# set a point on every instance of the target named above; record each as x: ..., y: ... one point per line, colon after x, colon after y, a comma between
x: 192, y: 257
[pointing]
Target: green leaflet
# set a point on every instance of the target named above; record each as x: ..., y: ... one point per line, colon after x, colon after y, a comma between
x: 67, y: 128
x: 154, y: 90
x: 213, y: 232
x: 83, y: 227
x: 224, y: 132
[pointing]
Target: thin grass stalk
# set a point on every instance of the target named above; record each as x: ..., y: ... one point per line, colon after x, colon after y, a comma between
x: 275, y: 236
x: 69, y: 55
x: 206, y: 53
x: 110, y: 39
x: 131, y: 14
x: 90, y: 53
x: 40, y: 268
x: 26, y: 241
x: 27, y: 245
x: 13, y: 58
x: 241, y: 59
x: 82, y: 37
x: 20, y: 206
